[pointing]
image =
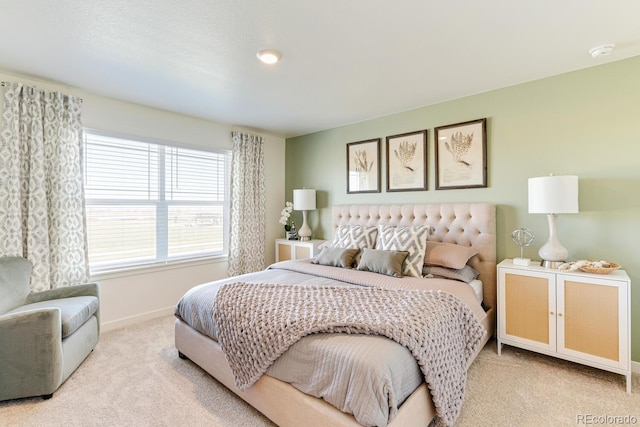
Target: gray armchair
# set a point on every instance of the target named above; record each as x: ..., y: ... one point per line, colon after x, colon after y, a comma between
x: 44, y: 336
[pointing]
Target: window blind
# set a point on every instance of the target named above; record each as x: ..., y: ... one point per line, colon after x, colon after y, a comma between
x: 153, y: 203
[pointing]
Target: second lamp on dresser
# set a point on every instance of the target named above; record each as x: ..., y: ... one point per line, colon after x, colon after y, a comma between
x: 304, y: 200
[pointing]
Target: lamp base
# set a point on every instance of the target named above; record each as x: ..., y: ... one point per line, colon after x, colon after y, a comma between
x: 551, y: 264
x: 552, y: 253
x: 305, y: 230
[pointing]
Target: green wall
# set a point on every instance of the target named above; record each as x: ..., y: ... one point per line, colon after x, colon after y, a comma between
x: 584, y: 123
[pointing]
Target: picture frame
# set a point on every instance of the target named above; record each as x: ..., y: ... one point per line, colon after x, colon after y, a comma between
x: 363, y: 166
x: 461, y: 155
x: 407, y: 161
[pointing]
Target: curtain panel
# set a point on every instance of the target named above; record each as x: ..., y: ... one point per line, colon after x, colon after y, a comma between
x: 247, y: 207
x: 42, y: 214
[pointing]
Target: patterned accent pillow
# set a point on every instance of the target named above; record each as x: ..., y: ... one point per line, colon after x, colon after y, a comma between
x: 412, y: 239
x: 354, y: 236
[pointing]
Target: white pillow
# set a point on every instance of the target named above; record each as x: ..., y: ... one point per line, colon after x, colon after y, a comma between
x: 412, y: 239
x: 354, y: 236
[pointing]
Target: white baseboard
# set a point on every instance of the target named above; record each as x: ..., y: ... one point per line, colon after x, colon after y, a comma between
x: 132, y: 320
x: 635, y: 367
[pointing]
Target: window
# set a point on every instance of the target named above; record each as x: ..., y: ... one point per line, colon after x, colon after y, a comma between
x: 148, y: 203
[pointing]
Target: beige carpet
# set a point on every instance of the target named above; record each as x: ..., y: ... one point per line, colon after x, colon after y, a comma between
x: 135, y: 378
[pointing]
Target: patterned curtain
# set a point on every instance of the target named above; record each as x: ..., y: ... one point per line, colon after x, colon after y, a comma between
x: 247, y: 234
x: 42, y: 216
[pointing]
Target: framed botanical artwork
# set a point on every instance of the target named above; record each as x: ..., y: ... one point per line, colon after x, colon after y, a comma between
x: 363, y: 166
x: 461, y: 155
x: 407, y: 161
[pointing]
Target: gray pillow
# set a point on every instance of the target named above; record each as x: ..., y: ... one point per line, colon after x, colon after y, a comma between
x: 465, y: 274
x: 383, y: 262
x: 336, y: 257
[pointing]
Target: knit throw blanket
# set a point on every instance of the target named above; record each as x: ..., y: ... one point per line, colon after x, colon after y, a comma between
x: 257, y: 323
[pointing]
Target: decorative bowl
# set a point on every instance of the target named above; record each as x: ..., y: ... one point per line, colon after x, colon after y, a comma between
x: 601, y: 270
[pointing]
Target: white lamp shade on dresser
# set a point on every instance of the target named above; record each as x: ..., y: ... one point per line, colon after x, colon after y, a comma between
x: 304, y: 200
x: 553, y: 194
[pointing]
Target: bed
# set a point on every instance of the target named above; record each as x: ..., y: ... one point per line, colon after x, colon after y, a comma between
x: 288, y: 397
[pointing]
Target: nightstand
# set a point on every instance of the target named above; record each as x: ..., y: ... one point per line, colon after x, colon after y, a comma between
x: 581, y: 317
x: 297, y: 249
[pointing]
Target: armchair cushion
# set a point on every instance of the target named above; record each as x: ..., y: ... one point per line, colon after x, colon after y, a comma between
x: 15, y: 273
x: 74, y: 311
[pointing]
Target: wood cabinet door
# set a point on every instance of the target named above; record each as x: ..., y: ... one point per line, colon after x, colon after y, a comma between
x: 303, y: 250
x: 284, y: 250
x: 527, y: 309
x: 592, y: 319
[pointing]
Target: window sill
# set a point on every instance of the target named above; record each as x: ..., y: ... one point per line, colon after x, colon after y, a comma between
x: 155, y: 268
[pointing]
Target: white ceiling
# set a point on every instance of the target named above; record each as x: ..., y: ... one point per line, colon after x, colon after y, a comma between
x: 343, y: 61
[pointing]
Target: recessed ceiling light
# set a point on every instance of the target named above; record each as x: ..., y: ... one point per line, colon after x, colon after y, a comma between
x: 603, y: 50
x: 269, y: 56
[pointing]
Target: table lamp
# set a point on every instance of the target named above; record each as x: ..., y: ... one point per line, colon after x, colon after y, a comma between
x: 553, y: 195
x: 304, y: 200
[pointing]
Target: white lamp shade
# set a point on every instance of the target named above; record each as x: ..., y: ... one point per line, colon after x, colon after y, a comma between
x: 553, y: 194
x: 304, y: 200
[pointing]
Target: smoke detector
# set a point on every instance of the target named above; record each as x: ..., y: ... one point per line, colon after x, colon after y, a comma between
x: 603, y: 50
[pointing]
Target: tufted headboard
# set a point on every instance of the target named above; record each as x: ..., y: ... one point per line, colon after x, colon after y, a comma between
x: 469, y: 224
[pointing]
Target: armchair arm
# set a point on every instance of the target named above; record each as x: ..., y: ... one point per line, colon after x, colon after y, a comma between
x: 31, y: 353
x: 86, y: 289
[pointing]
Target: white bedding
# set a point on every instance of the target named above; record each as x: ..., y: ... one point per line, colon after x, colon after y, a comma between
x: 477, y: 288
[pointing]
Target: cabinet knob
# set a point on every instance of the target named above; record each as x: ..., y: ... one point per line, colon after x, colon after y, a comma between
x: 559, y: 314
x: 551, y: 313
